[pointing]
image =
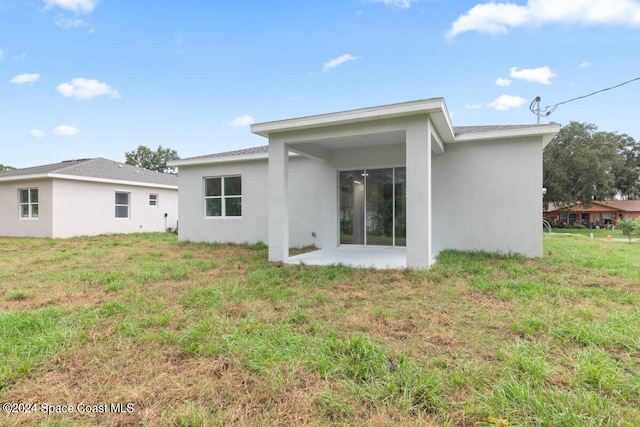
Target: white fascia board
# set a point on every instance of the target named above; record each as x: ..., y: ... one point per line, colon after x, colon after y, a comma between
x: 86, y: 179
x: 218, y: 159
x: 113, y: 181
x: 545, y: 131
x: 352, y: 116
x: 442, y: 122
x: 24, y: 177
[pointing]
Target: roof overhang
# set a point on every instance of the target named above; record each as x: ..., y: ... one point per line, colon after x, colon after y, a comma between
x: 546, y: 132
x: 85, y: 179
x: 434, y: 107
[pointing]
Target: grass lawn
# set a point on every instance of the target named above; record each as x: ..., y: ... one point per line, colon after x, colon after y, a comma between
x: 597, y: 233
x: 201, y: 334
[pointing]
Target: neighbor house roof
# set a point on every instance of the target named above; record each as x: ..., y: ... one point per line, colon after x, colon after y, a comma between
x: 97, y: 169
x: 623, y: 205
x: 607, y: 205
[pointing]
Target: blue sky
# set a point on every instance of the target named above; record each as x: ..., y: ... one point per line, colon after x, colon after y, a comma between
x: 97, y: 78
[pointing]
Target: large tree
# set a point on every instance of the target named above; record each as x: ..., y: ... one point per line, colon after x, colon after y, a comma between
x: 6, y: 168
x: 581, y: 165
x: 156, y: 160
x: 626, y: 168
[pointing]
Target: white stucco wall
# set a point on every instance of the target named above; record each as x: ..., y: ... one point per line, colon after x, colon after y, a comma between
x: 312, y: 209
x: 88, y: 208
x: 10, y: 222
x: 488, y: 196
x: 313, y: 203
x: 250, y: 228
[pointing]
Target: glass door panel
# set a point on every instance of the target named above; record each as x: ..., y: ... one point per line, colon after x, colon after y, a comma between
x: 373, y: 207
x: 400, y: 209
x: 379, y: 207
x: 352, y: 207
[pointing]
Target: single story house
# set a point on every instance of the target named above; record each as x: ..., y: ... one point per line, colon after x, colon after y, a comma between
x: 398, y: 176
x: 599, y: 214
x: 86, y: 197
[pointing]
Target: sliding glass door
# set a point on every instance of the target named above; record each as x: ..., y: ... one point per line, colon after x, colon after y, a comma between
x: 373, y: 207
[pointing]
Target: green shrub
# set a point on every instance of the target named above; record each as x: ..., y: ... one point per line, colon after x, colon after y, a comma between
x: 630, y: 227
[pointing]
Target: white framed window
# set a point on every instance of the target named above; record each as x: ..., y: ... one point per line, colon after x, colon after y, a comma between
x: 153, y: 199
x: 29, y: 207
x: 223, y: 196
x: 122, y: 204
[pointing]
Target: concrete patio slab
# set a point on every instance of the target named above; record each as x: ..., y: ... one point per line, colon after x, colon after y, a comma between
x: 355, y: 256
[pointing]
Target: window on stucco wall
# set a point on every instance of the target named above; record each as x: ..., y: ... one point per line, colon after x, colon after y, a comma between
x: 223, y: 196
x: 29, y: 206
x: 122, y: 205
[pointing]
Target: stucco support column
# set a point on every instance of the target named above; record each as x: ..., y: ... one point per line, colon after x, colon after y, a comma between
x: 278, y: 209
x: 418, y: 146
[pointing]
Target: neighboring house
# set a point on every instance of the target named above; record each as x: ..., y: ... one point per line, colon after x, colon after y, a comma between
x: 398, y: 176
x: 601, y: 213
x: 86, y: 197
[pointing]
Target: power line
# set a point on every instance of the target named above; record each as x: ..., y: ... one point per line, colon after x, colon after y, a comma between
x: 534, y: 107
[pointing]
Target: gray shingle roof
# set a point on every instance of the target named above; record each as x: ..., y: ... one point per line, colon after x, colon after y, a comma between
x: 457, y: 130
x: 263, y: 149
x: 460, y: 130
x: 96, y: 168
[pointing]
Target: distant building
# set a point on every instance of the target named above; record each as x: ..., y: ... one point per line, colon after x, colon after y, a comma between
x: 600, y: 214
x: 86, y: 197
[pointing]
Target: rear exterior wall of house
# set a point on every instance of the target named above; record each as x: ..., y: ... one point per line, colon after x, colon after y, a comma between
x: 487, y: 196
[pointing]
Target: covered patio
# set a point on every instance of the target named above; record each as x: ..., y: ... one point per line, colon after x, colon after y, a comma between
x: 393, y: 142
x: 355, y: 256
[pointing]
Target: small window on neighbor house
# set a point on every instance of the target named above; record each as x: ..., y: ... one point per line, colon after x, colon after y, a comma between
x: 122, y: 205
x: 29, y: 203
x: 223, y: 196
x: 153, y: 200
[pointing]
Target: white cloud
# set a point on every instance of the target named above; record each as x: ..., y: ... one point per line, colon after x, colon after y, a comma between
x: 1, y: 54
x: 506, y: 102
x: 338, y: 61
x: 473, y: 106
x: 536, y: 75
x: 68, y: 23
x: 36, y: 133
x: 84, y: 6
x: 585, y: 64
x: 86, y: 89
x: 499, y: 18
x: 405, y: 4
x: 65, y: 130
x: 25, y: 78
x: 503, y: 82
x: 241, y: 121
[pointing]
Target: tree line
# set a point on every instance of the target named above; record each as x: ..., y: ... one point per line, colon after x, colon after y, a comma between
x: 155, y: 160
x: 583, y: 164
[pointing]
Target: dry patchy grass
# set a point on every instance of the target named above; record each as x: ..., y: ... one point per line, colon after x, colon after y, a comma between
x: 207, y: 334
